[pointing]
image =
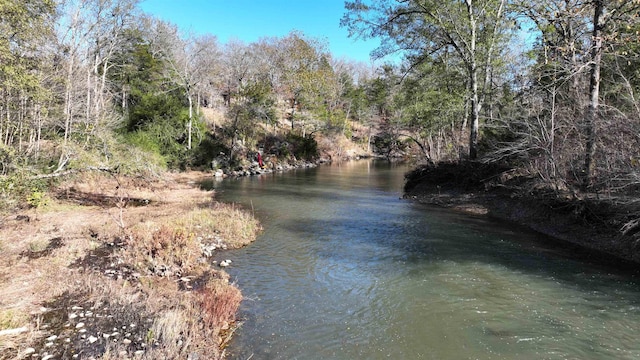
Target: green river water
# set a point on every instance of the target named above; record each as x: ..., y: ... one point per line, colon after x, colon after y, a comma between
x: 345, y: 269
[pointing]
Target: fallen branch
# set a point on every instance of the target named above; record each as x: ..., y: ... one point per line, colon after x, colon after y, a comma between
x: 14, y: 331
x: 631, y: 227
x: 71, y: 171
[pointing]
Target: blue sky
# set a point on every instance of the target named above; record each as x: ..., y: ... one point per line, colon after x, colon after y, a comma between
x: 250, y: 20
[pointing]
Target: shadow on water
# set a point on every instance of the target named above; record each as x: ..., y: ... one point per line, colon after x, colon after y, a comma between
x: 413, y: 241
x: 340, y: 250
x: 418, y: 233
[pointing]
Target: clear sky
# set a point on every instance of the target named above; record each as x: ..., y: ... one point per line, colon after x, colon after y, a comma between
x: 250, y: 20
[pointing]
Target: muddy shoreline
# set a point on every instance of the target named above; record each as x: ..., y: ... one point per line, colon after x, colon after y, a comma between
x: 589, y: 226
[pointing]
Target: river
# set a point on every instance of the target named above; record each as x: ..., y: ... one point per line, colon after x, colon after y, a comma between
x: 345, y: 269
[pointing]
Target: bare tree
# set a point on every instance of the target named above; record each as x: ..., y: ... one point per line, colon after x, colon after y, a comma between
x: 189, y: 58
x: 422, y: 29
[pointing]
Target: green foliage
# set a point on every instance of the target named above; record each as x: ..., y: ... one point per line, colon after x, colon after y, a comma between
x: 37, y: 199
x: 8, y: 158
x: 388, y: 144
x: 302, y: 147
x: 166, y: 138
x: 20, y: 189
x: 151, y: 107
x: 143, y: 140
x: 256, y: 107
x: 438, y: 104
x: 157, y: 115
x: 23, y: 27
x: 207, y: 150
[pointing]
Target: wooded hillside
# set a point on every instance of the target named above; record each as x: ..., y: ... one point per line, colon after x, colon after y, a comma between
x: 548, y: 88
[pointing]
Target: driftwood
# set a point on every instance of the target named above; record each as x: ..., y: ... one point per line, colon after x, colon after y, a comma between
x: 14, y: 331
x: 631, y: 227
x: 72, y: 171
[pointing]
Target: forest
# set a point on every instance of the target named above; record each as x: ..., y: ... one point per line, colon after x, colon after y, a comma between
x: 528, y: 109
x: 546, y: 87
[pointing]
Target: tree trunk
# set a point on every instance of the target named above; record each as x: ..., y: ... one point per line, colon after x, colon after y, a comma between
x: 473, y: 85
x: 67, y: 103
x: 594, y: 94
x: 189, y: 124
x: 293, y: 110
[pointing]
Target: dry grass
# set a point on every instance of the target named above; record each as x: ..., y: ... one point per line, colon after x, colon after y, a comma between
x: 76, y: 254
x: 337, y: 147
x: 235, y: 226
x: 163, y: 251
x: 219, y: 302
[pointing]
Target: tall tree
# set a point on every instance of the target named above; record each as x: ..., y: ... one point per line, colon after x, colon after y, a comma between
x: 304, y: 65
x: 189, y: 58
x: 421, y: 29
x: 608, y: 21
x: 578, y: 40
x: 25, y: 28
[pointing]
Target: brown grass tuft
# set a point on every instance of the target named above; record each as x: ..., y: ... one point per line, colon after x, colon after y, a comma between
x: 219, y: 302
x: 165, y: 251
x: 233, y: 225
x: 149, y: 279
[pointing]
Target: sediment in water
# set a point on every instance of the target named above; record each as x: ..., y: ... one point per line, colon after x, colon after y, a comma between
x: 603, y: 227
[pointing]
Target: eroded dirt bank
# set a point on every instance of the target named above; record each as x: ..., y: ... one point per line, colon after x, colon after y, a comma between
x: 608, y: 224
x: 114, y: 268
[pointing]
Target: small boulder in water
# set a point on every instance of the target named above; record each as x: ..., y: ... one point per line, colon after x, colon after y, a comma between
x: 225, y: 263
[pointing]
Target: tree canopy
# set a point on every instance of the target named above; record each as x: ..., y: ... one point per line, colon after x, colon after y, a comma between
x: 550, y: 87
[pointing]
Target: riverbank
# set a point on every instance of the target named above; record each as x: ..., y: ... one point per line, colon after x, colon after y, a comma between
x: 604, y: 224
x: 112, y: 267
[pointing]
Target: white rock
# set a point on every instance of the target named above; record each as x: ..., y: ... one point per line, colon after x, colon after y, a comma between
x: 49, y: 344
x: 29, y: 350
x: 52, y: 337
x: 92, y: 339
x: 126, y: 341
x: 225, y: 263
x: 79, y: 325
x: 73, y: 316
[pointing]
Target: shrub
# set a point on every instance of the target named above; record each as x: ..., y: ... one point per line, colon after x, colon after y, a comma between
x: 303, y: 147
x: 207, y: 150
x: 219, y: 302
x: 164, y: 251
x: 22, y: 189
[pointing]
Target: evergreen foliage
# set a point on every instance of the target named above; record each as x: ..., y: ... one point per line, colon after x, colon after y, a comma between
x: 102, y: 85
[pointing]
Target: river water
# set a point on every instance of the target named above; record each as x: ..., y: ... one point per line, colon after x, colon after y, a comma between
x: 345, y: 269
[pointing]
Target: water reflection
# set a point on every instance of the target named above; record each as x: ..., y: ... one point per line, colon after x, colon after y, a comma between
x: 345, y: 269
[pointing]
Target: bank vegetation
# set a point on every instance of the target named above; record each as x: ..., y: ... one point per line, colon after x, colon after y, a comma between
x: 544, y: 94
x: 539, y: 97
